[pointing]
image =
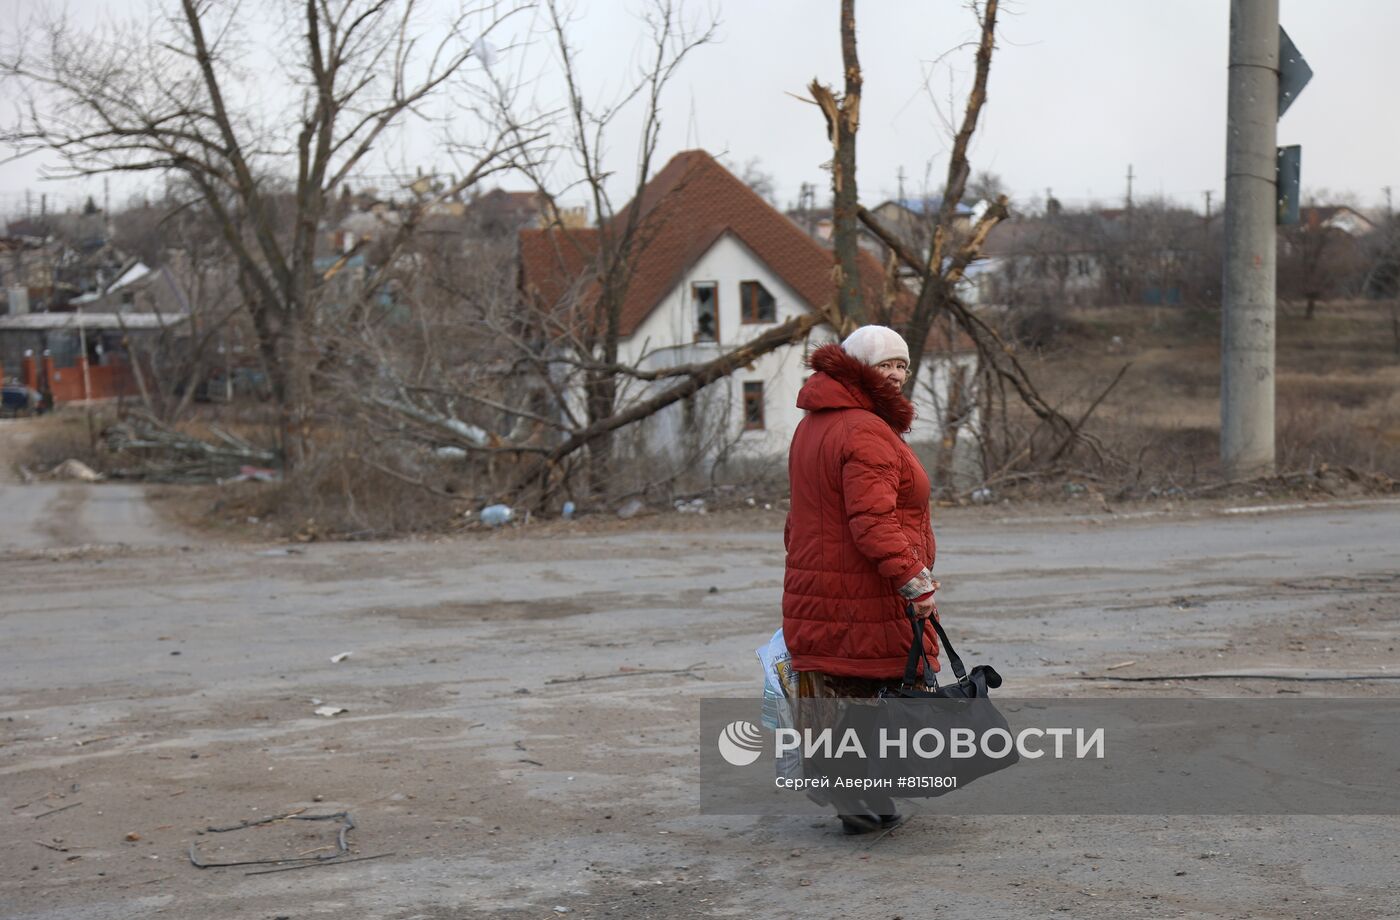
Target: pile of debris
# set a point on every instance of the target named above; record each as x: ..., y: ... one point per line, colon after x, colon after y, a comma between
x: 166, y: 455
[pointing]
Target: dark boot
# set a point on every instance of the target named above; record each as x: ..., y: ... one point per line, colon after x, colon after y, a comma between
x: 868, y: 823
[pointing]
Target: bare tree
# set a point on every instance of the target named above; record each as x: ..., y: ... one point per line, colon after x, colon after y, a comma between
x: 552, y: 387
x: 1382, y: 277
x: 571, y: 392
x: 949, y: 253
x: 180, y: 240
x: 759, y: 179
x: 179, y: 96
x: 940, y: 270
x: 1317, y: 262
x: 985, y: 186
x: 842, y: 122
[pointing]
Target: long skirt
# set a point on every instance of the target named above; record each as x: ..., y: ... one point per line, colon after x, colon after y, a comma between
x: 814, y: 714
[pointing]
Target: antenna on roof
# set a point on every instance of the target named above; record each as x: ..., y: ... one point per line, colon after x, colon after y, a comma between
x: 692, y: 127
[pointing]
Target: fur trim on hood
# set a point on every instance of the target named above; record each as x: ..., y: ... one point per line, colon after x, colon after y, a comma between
x: 850, y: 384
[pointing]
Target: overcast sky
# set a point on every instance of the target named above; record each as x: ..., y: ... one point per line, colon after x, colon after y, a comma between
x: 1079, y: 90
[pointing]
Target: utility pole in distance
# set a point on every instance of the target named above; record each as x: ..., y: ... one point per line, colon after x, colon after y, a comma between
x: 1251, y: 207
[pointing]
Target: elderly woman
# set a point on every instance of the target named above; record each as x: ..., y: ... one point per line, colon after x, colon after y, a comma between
x: 859, y: 541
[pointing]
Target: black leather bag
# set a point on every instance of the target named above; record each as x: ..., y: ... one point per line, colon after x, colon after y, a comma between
x: 914, y: 705
x: 972, y: 686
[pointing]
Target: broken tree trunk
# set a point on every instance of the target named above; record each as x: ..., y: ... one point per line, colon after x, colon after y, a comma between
x: 842, y: 123
x: 939, y: 280
x: 991, y: 350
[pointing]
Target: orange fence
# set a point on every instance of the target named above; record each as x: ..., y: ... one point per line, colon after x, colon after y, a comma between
x: 68, y: 384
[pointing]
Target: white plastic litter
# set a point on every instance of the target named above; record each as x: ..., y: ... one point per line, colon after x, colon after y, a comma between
x: 75, y: 469
x: 337, y: 659
x: 329, y: 711
x: 496, y: 515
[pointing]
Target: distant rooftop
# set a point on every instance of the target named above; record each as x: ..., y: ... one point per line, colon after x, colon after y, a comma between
x: 927, y: 205
x: 83, y: 320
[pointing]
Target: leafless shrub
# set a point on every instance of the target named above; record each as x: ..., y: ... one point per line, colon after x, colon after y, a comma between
x: 1314, y: 430
x: 349, y: 491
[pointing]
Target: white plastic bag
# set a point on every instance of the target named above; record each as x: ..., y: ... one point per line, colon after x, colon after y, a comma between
x: 779, y: 689
x: 779, y: 679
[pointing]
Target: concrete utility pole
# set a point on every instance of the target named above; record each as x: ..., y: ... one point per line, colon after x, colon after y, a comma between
x: 1251, y: 207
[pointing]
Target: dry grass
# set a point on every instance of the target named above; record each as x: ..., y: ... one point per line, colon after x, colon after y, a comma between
x: 1337, y: 397
x: 51, y: 439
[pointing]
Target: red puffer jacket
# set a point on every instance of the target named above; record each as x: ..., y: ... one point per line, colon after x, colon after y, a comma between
x: 859, y: 529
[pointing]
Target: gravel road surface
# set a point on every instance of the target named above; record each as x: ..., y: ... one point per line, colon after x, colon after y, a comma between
x: 153, y: 686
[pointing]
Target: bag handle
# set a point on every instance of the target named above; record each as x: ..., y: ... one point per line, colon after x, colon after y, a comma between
x: 911, y: 667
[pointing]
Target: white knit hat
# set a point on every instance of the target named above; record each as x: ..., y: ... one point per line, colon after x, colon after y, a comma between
x: 873, y: 344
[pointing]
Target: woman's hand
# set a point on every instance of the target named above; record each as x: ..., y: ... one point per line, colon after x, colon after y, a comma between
x: 925, y: 608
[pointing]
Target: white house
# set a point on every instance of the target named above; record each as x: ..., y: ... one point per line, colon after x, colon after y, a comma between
x: 716, y: 267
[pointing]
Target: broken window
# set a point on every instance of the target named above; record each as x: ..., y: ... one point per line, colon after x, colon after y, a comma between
x: 756, y: 305
x: 704, y: 295
x: 753, y: 405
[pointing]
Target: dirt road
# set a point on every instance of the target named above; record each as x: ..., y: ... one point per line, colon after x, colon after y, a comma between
x: 153, y: 690
x: 46, y: 514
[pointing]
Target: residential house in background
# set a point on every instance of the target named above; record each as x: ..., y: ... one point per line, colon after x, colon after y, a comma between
x: 1336, y: 217
x: 506, y: 213
x: 1040, y: 261
x: 77, y: 309
x: 716, y: 266
x: 1152, y: 254
x: 910, y: 218
x: 78, y: 355
x: 1157, y: 254
x: 1330, y: 253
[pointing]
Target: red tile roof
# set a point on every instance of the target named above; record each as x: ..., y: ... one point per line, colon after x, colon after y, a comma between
x: 685, y: 208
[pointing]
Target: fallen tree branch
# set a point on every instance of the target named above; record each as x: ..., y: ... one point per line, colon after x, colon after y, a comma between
x: 1079, y: 423
x: 639, y: 671
x: 1301, y: 477
x: 789, y: 333
x: 457, y: 432
x: 56, y: 810
x: 490, y: 404
x: 173, y: 454
x: 989, y: 344
x: 407, y: 479
x: 329, y: 862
